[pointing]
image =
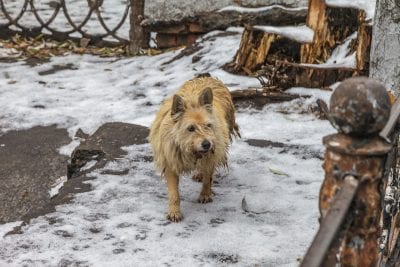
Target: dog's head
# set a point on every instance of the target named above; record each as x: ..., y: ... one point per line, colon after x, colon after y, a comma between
x: 194, y: 123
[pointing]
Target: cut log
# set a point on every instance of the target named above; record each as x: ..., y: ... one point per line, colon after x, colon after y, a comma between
x: 288, y: 74
x: 255, y: 97
x: 263, y: 45
x: 209, y: 21
x: 272, y: 55
x: 363, y: 49
x: 331, y: 26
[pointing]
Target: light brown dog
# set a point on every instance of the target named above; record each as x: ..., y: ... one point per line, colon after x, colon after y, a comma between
x: 192, y: 132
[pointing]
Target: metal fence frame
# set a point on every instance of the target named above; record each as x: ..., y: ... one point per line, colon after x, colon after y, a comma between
x: 138, y: 38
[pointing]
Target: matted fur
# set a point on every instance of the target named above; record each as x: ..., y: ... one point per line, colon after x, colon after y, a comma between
x: 167, y: 137
x: 206, y: 104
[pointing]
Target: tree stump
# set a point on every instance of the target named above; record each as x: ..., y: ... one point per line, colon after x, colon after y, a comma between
x: 331, y: 26
x: 260, y: 45
x: 287, y: 60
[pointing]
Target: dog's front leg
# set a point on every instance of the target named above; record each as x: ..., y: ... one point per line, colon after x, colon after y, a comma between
x: 174, y: 209
x: 206, y: 193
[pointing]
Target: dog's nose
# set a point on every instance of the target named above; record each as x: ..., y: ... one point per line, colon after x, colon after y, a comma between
x: 206, y: 145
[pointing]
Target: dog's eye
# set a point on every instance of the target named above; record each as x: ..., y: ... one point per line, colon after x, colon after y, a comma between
x: 191, y: 128
x: 209, y: 125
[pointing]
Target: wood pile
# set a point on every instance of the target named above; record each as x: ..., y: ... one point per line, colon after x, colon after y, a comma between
x: 285, y: 60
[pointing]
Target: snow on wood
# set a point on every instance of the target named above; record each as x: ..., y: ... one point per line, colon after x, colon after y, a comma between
x: 367, y: 5
x: 241, y: 9
x: 301, y: 34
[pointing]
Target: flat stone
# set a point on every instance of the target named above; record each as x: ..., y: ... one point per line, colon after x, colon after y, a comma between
x: 105, y: 145
x: 29, y: 164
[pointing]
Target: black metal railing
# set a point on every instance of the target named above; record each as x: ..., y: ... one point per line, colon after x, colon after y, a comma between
x: 110, y: 36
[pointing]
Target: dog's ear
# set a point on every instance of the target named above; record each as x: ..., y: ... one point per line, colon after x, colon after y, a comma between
x: 206, y: 98
x: 178, y: 107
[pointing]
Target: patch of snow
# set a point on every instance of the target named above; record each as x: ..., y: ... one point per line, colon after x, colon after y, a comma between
x: 153, y: 38
x: 9, y: 53
x: 99, y: 90
x: 315, y: 93
x: 302, y: 34
x: 335, y: 85
x: 123, y: 219
x: 235, y: 29
x: 7, y: 227
x: 89, y: 165
x: 57, y: 186
x: 287, y: 122
x: 367, y: 5
x: 69, y: 148
x: 340, y: 55
x: 241, y: 9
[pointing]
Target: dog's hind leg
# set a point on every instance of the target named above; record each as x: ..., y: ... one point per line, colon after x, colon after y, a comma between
x: 174, y: 210
x: 206, y: 193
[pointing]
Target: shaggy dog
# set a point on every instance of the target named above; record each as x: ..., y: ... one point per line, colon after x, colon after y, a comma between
x: 192, y: 132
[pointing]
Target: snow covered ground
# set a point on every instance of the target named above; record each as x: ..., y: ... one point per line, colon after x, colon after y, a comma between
x: 121, y: 222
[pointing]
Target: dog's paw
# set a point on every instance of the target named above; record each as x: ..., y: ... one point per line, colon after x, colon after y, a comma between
x: 174, y: 216
x: 197, y: 177
x: 204, y: 198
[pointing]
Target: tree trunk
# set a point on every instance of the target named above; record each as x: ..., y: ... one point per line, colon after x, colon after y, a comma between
x: 385, y: 48
x: 385, y: 67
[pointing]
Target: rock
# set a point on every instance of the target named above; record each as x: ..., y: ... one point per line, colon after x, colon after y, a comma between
x: 29, y: 164
x: 105, y: 144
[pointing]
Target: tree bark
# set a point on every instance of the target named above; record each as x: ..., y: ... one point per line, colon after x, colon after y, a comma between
x: 258, y: 48
x: 331, y: 25
x: 210, y: 21
x: 385, y: 48
x: 138, y: 35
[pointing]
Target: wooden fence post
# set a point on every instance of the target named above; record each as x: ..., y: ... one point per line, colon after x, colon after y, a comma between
x: 359, y: 109
x: 351, y: 195
x: 138, y: 36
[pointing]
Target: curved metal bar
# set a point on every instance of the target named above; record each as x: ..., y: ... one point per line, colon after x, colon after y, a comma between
x: 49, y: 21
x: 74, y: 26
x: 94, y: 6
x: 117, y: 27
x: 14, y: 21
